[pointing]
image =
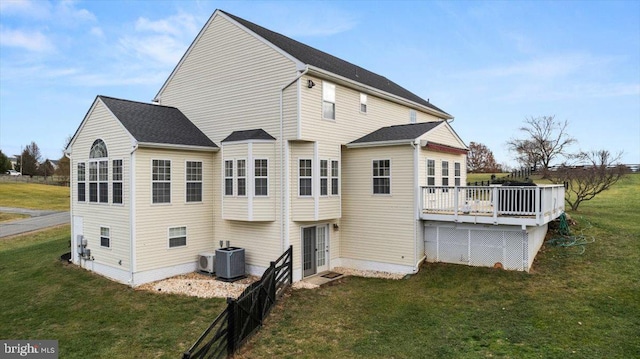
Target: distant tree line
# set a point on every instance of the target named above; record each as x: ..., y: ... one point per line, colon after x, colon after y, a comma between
x: 30, y: 163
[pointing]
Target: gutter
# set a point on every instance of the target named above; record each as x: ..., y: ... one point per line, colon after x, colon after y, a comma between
x: 284, y: 207
x: 169, y: 146
x: 380, y: 143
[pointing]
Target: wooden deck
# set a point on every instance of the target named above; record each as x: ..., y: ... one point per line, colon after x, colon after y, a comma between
x: 523, y: 206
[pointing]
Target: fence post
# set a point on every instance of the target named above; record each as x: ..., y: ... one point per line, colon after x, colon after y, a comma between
x: 290, y: 265
x: 231, y: 327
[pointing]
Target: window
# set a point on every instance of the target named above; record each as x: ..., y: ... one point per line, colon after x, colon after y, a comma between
x: 261, y: 173
x: 445, y: 175
x: 363, y: 103
x: 105, y: 237
x: 103, y: 181
x: 242, y: 177
x: 456, y: 173
x: 93, y: 181
x: 328, y: 100
x: 82, y: 194
x: 161, y: 181
x: 305, y: 176
x: 324, y: 180
x: 334, y: 178
x: 194, y: 181
x: 228, y: 177
x: 98, y: 173
x: 116, y: 179
x: 431, y: 175
x: 381, y: 176
x: 177, y: 237
x: 412, y: 116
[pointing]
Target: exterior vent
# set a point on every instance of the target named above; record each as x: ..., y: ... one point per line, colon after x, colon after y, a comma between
x: 230, y: 264
x: 206, y: 262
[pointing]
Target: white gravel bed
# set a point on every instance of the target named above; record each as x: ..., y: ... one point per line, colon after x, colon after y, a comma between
x: 199, y: 285
x: 205, y: 286
x: 368, y: 273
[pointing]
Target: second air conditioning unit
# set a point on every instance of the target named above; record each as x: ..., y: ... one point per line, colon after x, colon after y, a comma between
x: 230, y: 264
x: 206, y: 262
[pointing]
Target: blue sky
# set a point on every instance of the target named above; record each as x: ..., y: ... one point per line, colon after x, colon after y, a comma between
x: 489, y: 64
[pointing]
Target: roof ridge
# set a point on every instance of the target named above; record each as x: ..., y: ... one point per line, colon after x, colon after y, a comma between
x: 136, y: 102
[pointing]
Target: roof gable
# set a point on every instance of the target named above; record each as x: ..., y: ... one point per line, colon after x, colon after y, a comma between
x: 155, y: 124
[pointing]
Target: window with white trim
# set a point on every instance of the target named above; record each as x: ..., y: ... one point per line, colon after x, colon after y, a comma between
x: 431, y: 175
x: 381, y: 176
x: 328, y: 100
x: 363, y: 103
x: 194, y: 181
x: 103, y: 181
x: 93, y: 181
x: 412, y: 116
x: 82, y: 194
x: 456, y: 173
x: 105, y: 237
x: 161, y: 181
x: 177, y: 237
x: 116, y: 181
x: 261, y: 177
x: 228, y: 177
x: 324, y: 177
x: 335, y: 179
x: 445, y: 175
x: 305, y: 177
x: 241, y: 180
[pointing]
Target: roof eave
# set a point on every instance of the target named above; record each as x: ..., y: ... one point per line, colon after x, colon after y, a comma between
x: 383, y: 94
x: 171, y: 146
x: 380, y: 143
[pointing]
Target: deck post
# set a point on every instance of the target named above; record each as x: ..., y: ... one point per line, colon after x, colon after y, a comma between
x: 538, y: 207
x: 456, y: 195
x: 496, y: 202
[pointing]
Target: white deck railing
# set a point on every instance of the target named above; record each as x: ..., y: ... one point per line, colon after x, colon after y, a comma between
x: 537, y: 204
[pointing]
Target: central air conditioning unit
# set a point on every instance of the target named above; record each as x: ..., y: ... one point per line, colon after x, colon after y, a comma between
x: 230, y: 264
x: 206, y: 262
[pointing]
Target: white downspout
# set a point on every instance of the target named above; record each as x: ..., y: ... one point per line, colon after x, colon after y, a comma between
x: 284, y: 207
x: 132, y: 212
x: 416, y: 200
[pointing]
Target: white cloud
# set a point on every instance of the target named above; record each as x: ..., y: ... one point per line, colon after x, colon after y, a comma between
x: 67, y: 11
x: 96, y: 31
x: 177, y: 25
x: 28, y: 40
x: 26, y: 8
x: 317, y: 19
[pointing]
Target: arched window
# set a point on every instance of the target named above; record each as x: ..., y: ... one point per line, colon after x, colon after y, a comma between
x: 98, y: 149
x: 98, y: 173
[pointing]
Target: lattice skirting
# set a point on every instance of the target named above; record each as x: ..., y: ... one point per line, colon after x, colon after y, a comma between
x: 508, y: 247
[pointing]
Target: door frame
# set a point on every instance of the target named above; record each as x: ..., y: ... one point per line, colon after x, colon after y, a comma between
x: 314, y: 258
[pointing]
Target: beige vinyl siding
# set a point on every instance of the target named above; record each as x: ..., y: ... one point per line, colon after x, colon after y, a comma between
x: 261, y: 240
x: 231, y: 81
x: 350, y: 124
x: 378, y: 228
x: 101, y: 124
x: 154, y: 220
x: 444, y: 135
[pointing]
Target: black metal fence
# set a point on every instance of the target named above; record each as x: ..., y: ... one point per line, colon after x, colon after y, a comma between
x: 244, y: 315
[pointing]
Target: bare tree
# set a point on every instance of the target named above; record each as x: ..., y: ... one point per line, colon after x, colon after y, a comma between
x: 480, y: 159
x: 545, y: 140
x: 594, y: 172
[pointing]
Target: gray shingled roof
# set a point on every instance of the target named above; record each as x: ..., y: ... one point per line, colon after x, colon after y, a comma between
x: 398, y: 132
x: 149, y: 123
x: 257, y: 134
x: 322, y: 60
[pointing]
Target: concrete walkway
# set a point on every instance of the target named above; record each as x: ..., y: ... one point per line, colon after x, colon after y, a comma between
x: 39, y: 220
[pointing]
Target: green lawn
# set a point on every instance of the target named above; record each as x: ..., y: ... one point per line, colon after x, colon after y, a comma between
x: 34, y: 196
x: 580, y: 306
x: 90, y: 316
